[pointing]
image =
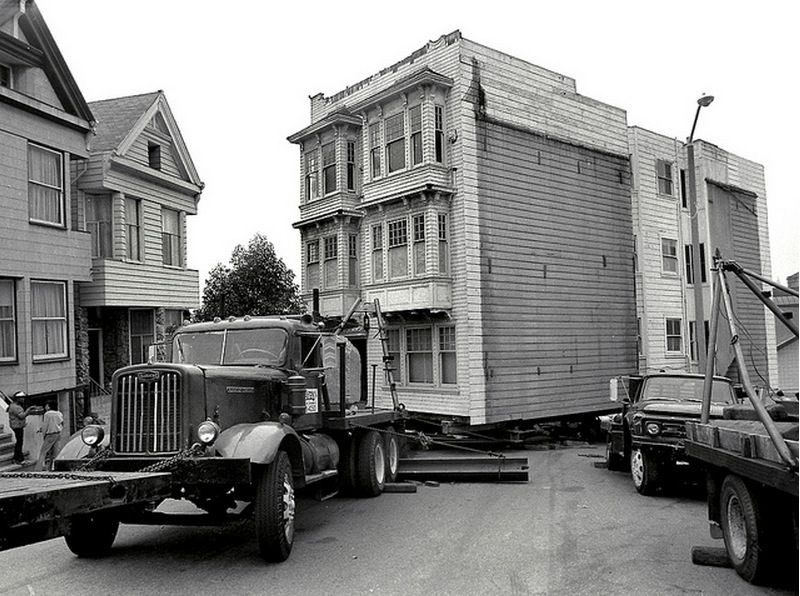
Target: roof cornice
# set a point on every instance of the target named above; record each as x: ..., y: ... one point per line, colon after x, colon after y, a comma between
x: 54, y: 65
x: 330, y: 120
x: 127, y: 164
x: 19, y: 52
x: 423, y: 76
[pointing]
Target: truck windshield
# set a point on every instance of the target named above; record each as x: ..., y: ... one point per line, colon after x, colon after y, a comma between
x: 686, y: 389
x: 232, y: 347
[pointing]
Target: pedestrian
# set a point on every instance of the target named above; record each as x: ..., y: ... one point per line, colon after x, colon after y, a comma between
x: 17, y: 419
x: 52, y: 424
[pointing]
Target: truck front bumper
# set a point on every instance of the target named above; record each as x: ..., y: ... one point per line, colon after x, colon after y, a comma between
x: 192, y: 471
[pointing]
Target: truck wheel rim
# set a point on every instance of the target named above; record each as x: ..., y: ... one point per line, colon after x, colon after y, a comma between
x: 380, y: 463
x: 394, y: 456
x: 637, y: 467
x: 288, y: 509
x: 737, y: 528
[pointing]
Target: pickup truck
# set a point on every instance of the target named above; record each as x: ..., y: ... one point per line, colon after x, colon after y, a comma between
x: 647, y: 435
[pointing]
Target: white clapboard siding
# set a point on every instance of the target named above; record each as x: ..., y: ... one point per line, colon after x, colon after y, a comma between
x: 116, y: 283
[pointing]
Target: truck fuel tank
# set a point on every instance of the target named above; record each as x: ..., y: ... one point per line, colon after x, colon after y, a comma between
x: 320, y: 453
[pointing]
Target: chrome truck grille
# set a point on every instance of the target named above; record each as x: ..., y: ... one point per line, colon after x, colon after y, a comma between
x: 148, y: 417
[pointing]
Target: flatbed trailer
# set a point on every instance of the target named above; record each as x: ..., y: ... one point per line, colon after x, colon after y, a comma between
x: 37, y: 506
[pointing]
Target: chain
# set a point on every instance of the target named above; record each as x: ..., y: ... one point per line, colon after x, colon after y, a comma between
x: 98, y: 457
x: 58, y: 476
x: 166, y: 464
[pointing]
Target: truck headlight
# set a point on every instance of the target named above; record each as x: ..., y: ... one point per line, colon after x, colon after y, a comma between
x: 652, y: 428
x: 207, y: 432
x: 92, y: 435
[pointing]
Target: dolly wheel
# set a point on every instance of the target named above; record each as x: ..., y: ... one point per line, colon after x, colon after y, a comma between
x: 91, y: 536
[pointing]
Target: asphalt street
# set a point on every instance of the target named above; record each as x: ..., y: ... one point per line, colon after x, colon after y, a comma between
x: 573, y: 529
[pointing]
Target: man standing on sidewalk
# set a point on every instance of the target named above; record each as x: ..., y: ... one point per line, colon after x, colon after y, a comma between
x: 17, y: 421
x: 52, y: 424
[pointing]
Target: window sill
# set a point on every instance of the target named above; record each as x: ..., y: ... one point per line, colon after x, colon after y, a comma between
x: 674, y: 355
x: 173, y: 267
x: 51, y: 359
x: 14, y: 362
x: 47, y: 224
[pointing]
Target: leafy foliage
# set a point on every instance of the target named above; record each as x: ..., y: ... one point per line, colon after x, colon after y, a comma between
x: 255, y: 282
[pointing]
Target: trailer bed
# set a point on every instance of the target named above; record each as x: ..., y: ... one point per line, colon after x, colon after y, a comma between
x: 35, y: 506
x: 744, y: 447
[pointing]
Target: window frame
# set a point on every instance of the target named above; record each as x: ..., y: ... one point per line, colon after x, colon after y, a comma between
x: 408, y: 353
x: 350, y: 174
x: 665, y: 177
x: 62, y: 207
x: 688, y: 257
x: 154, y: 155
x: 176, y: 238
x: 441, y: 353
x: 312, y: 260
x: 14, y: 358
x: 673, y: 256
x: 415, y: 143
x: 329, y: 166
x: 673, y: 336
x: 129, y: 227
x: 9, y: 79
x: 330, y: 253
x: 388, y: 143
x: 65, y: 355
x: 438, y: 133
x: 418, y: 243
x: 443, y: 246
x: 377, y: 247
x: 683, y: 181
x: 95, y: 226
x: 401, y: 354
x: 352, y: 260
x: 375, y: 149
x: 398, y: 241
x: 311, y: 178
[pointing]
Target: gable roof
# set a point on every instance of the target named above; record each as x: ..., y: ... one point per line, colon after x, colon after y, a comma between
x: 121, y: 120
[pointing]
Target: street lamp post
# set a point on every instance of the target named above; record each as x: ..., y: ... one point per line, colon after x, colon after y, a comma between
x: 699, y: 315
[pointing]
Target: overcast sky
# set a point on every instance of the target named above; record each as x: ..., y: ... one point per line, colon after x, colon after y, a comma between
x: 237, y: 76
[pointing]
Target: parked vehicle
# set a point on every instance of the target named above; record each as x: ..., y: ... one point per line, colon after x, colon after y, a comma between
x: 648, y: 435
x: 248, y: 411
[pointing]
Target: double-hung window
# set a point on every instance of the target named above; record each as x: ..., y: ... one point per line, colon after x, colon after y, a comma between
x: 395, y: 131
x: 669, y: 255
x: 415, y: 126
x: 311, y: 175
x: 684, y: 196
x: 447, y: 355
x: 331, y: 261
x: 133, y: 227
x: 352, y: 253
x: 45, y: 186
x: 444, y: 251
x: 377, y: 252
x: 418, y: 227
x: 438, y: 138
x: 329, y: 168
x: 98, y: 223
x: 312, y: 265
x: 375, y: 149
x: 8, y: 321
x: 674, y: 336
x: 419, y: 352
x: 49, y: 319
x: 664, y: 175
x: 171, y: 237
x: 398, y: 248
x: 351, y: 165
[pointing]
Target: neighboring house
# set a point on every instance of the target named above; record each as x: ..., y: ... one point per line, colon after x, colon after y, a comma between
x: 732, y: 218
x: 787, y: 342
x: 45, y: 126
x: 134, y: 195
x: 487, y: 205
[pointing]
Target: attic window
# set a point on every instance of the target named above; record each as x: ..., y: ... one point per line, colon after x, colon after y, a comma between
x: 5, y: 76
x: 154, y: 155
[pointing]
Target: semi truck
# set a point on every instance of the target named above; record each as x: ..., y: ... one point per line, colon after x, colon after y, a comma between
x: 246, y: 412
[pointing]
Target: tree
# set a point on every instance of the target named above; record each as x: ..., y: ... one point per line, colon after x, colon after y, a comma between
x: 255, y: 282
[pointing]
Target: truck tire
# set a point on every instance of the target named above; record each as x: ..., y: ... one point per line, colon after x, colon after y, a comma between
x: 745, y: 529
x: 392, y: 447
x: 371, y: 465
x: 275, y: 510
x: 91, y: 536
x: 645, y: 472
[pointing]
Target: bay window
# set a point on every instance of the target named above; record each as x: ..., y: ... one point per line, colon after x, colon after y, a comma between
x: 133, y: 227
x: 312, y: 265
x: 331, y: 262
x: 375, y: 149
x: 351, y: 165
x: 418, y: 226
x: 377, y: 252
x: 444, y: 250
x: 415, y: 125
x: 329, y: 168
x: 438, y: 138
x: 311, y: 175
x: 352, y: 253
x: 98, y: 224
